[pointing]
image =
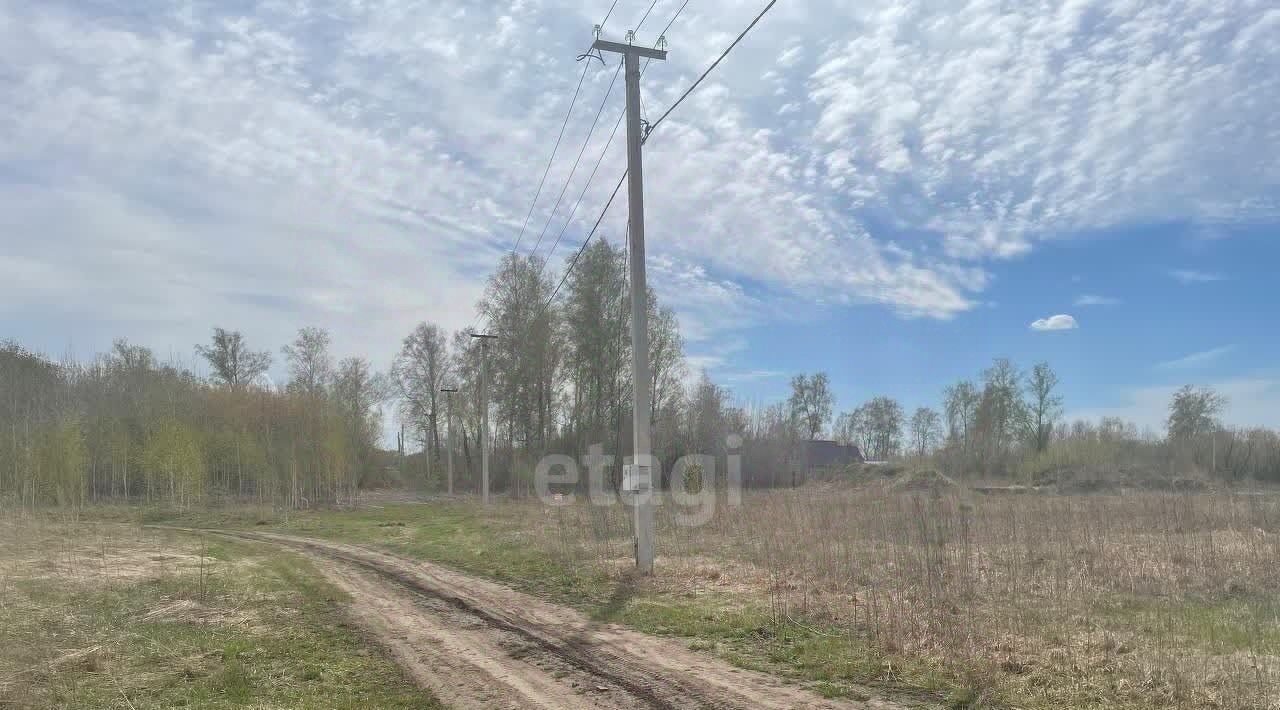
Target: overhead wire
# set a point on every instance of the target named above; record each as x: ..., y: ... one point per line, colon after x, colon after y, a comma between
x: 613, y: 195
x: 564, y: 124
x: 663, y: 33
x: 573, y: 262
x: 711, y: 68
x: 590, y: 132
x: 610, y: 12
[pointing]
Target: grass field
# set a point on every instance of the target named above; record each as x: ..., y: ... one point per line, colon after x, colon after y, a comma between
x: 114, y: 616
x: 1137, y: 601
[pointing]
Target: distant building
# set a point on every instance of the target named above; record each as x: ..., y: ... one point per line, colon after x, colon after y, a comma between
x: 819, y: 454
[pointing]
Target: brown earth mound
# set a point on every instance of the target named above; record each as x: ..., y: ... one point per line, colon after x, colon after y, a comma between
x: 921, y: 480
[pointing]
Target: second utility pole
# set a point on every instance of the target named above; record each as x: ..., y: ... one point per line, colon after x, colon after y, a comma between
x: 448, y: 395
x: 641, y: 483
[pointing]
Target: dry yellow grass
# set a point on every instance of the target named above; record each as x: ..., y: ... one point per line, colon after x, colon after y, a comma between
x: 114, y: 616
x: 1145, y: 600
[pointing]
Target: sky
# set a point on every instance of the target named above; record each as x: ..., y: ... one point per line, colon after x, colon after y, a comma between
x: 893, y: 192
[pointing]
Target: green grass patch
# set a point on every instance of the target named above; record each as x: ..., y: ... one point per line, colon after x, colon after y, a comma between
x: 1235, y: 623
x: 737, y: 628
x: 257, y: 628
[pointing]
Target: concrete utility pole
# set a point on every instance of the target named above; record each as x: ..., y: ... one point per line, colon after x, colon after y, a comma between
x: 641, y: 471
x: 484, y: 414
x: 448, y: 398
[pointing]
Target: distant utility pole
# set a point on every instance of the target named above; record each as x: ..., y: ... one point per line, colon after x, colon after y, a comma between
x: 448, y: 398
x: 484, y: 414
x: 641, y: 473
x: 400, y: 449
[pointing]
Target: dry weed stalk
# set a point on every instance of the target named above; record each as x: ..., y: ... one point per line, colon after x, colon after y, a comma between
x: 1162, y: 598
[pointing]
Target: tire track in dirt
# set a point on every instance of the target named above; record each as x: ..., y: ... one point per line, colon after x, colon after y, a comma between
x: 476, y: 643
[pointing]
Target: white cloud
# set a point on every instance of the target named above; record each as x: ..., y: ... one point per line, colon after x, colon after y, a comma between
x: 706, y: 306
x: 360, y: 165
x: 1108, y: 114
x: 1190, y: 276
x: 1059, y: 322
x: 790, y: 57
x: 1195, y: 360
x: 1095, y: 300
x: 738, y: 377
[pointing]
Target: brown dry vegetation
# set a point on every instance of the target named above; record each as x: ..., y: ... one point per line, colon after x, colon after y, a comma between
x: 1144, y: 600
x: 112, y: 616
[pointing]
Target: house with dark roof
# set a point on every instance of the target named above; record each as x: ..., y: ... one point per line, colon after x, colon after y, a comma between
x: 819, y: 454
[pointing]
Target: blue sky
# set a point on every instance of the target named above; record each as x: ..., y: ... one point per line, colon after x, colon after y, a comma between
x: 1144, y: 327
x: 890, y: 191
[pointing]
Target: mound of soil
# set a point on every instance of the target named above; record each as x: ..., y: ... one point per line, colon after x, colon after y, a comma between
x: 866, y: 473
x: 922, y: 480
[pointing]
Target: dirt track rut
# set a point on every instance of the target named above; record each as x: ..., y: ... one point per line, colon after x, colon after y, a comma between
x: 475, y: 643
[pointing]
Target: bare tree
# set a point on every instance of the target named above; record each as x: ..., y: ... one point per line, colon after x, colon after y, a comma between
x: 926, y: 429
x: 811, y: 402
x: 884, y: 418
x: 999, y: 413
x: 960, y: 403
x: 418, y: 373
x: 358, y: 392
x: 666, y: 357
x: 310, y: 365
x: 233, y: 363
x: 1043, y: 407
x: 525, y: 363
x: 596, y: 326
x: 849, y: 427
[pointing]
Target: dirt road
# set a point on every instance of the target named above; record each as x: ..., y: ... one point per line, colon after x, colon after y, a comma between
x: 477, y: 644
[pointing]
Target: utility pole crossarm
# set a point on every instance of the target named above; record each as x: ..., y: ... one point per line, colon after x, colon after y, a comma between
x: 620, y: 48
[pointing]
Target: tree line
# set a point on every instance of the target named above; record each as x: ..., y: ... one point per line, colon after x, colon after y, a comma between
x: 128, y: 427
x: 1010, y: 423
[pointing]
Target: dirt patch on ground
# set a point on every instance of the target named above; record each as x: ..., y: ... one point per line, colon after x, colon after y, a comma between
x: 90, y: 553
x: 476, y: 643
x: 922, y: 481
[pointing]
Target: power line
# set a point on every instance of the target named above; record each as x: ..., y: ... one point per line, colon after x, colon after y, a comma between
x: 582, y: 248
x: 646, y: 16
x: 614, y: 133
x: 591, y: 131
x: 576, y: 161
x: 574, y: 211
x: 610, y: 12
x: 655, y: 124
x: 672, y: 22
x: 711, y: 68
x: 565, y: 124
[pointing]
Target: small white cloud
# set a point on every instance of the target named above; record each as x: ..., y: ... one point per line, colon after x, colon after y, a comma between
x: 789, y: 57
x: 1190, y: 276
x: 1059, y: 322
x: 751, y: 375
x: 1094, y: 300
x: 1196, y: 359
